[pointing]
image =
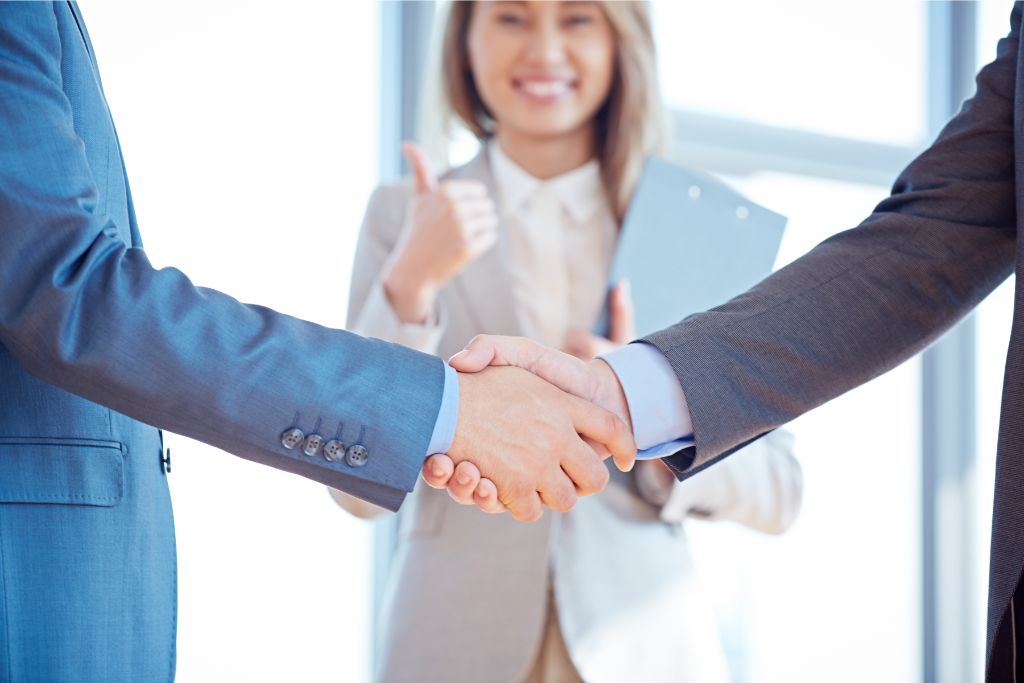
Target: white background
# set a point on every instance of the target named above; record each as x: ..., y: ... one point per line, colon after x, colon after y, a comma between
x: 250, y: 135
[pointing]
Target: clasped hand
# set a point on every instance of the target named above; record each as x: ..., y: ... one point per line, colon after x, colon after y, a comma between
x: 534, y: 428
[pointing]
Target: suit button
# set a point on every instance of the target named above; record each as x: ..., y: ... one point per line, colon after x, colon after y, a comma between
x: 311, y: 446
x: 292, y: 438
x: 356, y: 455
x: 334, y: 450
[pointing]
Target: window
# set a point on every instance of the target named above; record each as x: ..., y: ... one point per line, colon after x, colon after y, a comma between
x: 252, y: 132
x: 847, y: 578
x: 788, y: 64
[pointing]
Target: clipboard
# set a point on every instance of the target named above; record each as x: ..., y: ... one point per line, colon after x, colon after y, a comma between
x: 689, y: 242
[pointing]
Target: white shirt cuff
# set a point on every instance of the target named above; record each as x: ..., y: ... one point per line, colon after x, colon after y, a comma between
x: 447, y: 415
x: 657, y: 404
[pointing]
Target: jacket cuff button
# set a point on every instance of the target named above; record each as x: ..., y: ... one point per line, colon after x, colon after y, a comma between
x: 356, y: 455
x: 291, y: 438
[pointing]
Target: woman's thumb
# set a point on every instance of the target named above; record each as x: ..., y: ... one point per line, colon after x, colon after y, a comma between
x: 426, y: 181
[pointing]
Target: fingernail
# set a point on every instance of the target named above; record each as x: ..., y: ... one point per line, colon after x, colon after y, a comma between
x: 461, y: 353
x: 437, y: 470
x: 463, y: 479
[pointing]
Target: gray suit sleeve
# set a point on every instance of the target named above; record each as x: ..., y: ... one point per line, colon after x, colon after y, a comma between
x: 866, y: 299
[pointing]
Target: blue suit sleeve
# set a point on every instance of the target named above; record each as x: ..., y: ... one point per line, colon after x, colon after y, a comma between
x: 84, y: 311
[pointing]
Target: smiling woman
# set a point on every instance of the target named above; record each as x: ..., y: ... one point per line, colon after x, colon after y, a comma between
x: 563, y: 100
x: 579, y: 75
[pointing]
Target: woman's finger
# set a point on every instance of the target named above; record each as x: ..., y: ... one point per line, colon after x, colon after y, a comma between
x: 426, y: 180
x: 623, y: 327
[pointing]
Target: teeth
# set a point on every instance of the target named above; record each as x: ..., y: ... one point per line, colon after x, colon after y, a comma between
x: 545, y: 88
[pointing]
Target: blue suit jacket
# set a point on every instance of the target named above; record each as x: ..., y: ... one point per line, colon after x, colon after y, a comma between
x: 98, y: 348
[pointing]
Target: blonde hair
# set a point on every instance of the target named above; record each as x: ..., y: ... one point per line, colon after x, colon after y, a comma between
x: 630, y: 125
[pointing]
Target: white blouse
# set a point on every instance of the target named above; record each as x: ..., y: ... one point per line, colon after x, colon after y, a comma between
x: 561, y: 238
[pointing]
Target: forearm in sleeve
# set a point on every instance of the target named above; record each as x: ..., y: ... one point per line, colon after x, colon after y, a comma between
x: 867, y: 299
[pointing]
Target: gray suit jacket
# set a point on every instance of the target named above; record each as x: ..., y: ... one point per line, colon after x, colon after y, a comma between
x: 627, y: 599
x: 867, y: 299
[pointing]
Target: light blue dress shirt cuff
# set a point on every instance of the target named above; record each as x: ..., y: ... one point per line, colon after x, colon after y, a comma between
x: 448, y: 416
x: 657, y: 404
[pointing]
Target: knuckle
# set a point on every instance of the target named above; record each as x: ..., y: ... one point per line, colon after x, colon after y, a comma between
x: 523, y: 511
x: 533, y: 512
x: 564, y: 500
x: 522, y: 491
x: 559, y: 505
x: 479, y: 340
x: 610, y: 424
x: 593, y: 480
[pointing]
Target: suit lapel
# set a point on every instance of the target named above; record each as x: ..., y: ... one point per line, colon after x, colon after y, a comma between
x: 1007, y: 553
x: 485, y: 286
x: 77, y: 14
x: 136, y: 237
x: 1007, y: 550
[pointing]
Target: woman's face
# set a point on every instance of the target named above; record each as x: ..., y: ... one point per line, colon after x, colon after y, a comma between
x: 542, y: 68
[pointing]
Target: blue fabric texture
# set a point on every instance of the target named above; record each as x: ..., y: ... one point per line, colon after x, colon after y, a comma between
x: 98, y: 349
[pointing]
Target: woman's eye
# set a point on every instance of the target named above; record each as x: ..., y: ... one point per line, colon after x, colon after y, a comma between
x: 578, y: 19
x: 510, y: 20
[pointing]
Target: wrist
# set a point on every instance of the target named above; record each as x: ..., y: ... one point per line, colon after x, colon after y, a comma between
x: 457, y: 451
x: 610, y: 394
x: 411, y: 298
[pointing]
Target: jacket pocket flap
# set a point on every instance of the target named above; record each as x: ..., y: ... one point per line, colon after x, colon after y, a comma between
x: 63, y: 471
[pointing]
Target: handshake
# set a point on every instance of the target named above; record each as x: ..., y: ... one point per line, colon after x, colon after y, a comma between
x: 534, y: 427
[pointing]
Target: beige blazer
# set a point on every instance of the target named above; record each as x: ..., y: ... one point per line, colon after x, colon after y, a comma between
x: 467, y: 597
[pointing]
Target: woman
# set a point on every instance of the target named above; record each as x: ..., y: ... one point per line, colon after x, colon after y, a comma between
x: 563, y: 97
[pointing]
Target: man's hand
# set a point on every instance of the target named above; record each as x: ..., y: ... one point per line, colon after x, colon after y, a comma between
x: 593, y: 381
x: 527, y: 437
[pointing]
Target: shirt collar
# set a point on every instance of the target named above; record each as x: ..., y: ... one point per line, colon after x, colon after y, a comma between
x: 580, y: 191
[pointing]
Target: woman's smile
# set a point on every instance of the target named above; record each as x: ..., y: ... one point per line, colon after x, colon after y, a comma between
x: 545, y: 89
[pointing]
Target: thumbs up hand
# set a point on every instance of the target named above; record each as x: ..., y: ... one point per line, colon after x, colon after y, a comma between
x: 623, y: 328
x: 450, y: 224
